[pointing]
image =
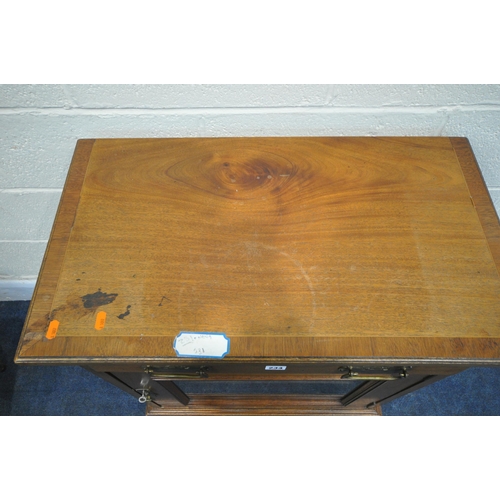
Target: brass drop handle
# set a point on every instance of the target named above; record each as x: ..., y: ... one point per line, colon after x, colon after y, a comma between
x: 352, y: 375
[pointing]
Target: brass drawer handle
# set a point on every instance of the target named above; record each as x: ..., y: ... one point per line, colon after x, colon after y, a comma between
x: 352, y: 375
x: 176, y: 376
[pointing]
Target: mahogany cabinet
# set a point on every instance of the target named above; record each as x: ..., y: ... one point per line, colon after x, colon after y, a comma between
x: 270, y: 275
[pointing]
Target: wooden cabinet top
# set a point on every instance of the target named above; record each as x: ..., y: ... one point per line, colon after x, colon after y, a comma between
x: 297, y: 247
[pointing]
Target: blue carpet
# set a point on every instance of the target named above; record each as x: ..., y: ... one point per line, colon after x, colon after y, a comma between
x: 56, y: 390
x: 475, y: 391
x: 52, y: 390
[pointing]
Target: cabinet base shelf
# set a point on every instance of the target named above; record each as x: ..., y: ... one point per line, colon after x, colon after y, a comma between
x: 203, y: 404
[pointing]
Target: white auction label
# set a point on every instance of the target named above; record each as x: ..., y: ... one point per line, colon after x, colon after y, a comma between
x: 201, y: 345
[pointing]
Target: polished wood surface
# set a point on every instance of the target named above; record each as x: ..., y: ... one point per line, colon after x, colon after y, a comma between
x: 480, y: 195
x: 304, y: 248
x: 43, y: 296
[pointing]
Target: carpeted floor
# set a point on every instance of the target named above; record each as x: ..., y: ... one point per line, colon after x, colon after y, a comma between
x: 53, y: 390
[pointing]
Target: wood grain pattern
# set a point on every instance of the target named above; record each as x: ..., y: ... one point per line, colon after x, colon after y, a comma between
x: 294, y: 247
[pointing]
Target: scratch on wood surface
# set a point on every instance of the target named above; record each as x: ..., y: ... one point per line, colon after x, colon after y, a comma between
x: 162, y: 299
x: 309, y: 284
x: 179, y: 305
x: 252, y: 246
x: 30, y: 339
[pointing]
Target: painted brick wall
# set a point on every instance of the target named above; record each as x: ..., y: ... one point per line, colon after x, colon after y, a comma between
x: 40, y: 124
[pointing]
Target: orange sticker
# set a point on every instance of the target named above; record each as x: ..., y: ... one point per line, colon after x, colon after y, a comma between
x: 100, y: 321
x: 52, y: 330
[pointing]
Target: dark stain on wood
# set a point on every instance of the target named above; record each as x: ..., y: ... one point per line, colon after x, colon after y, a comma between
x: 97, y: 299
x: 72, y: 309
x: 76, y: 307
x: 126, y: 313
x: 40, y: 325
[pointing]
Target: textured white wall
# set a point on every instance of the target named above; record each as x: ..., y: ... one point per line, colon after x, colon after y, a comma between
x: 40, y: 124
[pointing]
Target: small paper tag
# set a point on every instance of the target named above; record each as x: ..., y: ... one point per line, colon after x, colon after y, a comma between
x: 201, y: 345
x: 274, y: 367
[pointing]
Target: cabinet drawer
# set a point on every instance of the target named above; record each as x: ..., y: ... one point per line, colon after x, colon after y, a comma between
x: 277, y: 371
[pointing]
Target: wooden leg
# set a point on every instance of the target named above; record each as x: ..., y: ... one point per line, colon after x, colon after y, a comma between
x: 176, y: 392
x: 430, y: 379
x: 361, y: 391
